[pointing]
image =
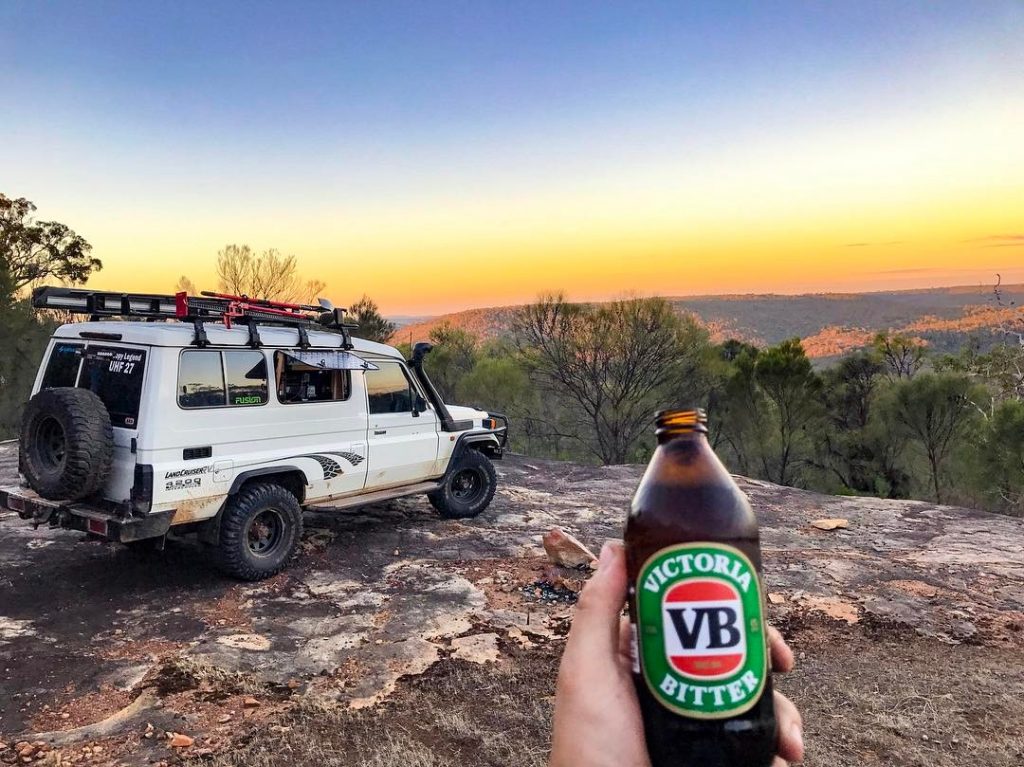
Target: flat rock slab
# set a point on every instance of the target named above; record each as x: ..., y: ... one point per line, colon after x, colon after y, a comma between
x: 387, y: 591
x: 477, y: 648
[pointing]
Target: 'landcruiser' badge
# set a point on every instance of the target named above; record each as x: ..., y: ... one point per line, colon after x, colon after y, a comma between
x: 703, y: 650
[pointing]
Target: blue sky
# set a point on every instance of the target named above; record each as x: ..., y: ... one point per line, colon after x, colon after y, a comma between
x: 444, y: 128
x: 416, y: 70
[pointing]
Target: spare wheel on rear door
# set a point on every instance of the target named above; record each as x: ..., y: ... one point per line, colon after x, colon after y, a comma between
x: 67, y: 443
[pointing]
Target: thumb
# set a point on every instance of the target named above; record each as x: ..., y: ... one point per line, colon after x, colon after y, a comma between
x: 595, y: 624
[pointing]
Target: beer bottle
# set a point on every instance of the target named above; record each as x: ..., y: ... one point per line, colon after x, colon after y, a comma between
x: 700, y: 647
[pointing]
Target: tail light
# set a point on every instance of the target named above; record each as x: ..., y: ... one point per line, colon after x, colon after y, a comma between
x: 142, y: 490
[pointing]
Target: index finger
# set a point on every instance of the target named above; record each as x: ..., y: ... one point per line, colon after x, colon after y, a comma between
x: 782, y: 656
x: 595, y: 623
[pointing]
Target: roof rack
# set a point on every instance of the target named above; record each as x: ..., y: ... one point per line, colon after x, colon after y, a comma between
x: 207, y: 307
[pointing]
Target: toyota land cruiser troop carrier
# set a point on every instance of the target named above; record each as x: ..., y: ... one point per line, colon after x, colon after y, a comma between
x: 224, y: 417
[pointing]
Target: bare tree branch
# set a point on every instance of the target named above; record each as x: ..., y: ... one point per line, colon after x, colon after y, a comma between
x: 615, y: 362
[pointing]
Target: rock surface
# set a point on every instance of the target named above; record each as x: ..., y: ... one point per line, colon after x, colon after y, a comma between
x: 565, y: 549
x: 178, y: 740
x: 91, y: 629
x: 830, y: 524
x: 477, y: 648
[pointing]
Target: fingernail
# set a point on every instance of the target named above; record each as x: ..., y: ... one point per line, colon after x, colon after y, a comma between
x: 606, y: 556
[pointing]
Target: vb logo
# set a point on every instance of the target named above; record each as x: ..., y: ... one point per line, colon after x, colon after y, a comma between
x: 701, y: 641
x: 704, y: 633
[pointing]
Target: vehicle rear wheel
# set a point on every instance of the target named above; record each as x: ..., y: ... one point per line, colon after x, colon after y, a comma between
x: 67, y: 443
x: 260, y: 530
x: 468, y: 488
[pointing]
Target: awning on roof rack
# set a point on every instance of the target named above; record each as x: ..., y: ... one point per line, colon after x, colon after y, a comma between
x: 330, y: 359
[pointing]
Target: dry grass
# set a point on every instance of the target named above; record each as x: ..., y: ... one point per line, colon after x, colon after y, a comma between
x: 181, y: 672
x: 871, y: 697
x: 455, y: 714
x: 398, y: 749
x: 897, y: 699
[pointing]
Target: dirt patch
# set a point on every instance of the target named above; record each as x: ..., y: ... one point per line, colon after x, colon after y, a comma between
x: 838, y: 609
x: 886, y: 696
x: 227, y: 611
x: 150, y: 648
x: 74, y: 709
x: 916, y: 588
x: 509, y: 583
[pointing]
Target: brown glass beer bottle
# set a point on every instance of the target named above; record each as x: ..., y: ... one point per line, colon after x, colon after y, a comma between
x: 700, y: 646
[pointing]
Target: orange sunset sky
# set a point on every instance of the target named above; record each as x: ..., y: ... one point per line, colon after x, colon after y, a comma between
x: 445, y: 156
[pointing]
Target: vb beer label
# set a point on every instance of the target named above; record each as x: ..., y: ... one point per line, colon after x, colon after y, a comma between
x: 702, y: 642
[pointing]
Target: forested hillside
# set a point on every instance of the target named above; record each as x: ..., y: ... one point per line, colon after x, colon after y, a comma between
x: 829, y: 325
x: 899, y: 418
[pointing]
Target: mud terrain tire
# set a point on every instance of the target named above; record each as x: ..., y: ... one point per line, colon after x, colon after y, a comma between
x: 67, y: 443
x: 468, y: 488
x: 260, y: 530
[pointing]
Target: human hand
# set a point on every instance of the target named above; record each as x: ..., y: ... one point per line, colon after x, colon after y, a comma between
x: 597, y: 715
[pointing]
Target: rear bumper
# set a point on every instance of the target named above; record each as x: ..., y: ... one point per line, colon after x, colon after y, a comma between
x: 84, y: 517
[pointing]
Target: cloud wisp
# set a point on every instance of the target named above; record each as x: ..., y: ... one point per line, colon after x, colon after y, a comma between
x: 999, y: 241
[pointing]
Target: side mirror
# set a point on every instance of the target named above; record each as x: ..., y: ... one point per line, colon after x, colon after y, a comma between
x: 419, y: 405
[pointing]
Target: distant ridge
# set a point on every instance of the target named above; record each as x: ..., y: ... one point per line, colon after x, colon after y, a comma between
x: 485, y: 323
x: 979, y: 290
x: 830, y: 324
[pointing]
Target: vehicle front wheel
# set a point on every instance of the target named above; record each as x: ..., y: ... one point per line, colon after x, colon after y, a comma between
x: 260, y: 530
x: 468, y: 488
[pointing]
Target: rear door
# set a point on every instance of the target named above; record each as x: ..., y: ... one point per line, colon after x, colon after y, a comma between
x: 115, y: 374
x: 402, y: 443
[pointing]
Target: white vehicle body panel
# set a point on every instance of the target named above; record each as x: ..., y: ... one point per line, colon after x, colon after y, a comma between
x: 198, y: 455
x: 403, y: 446
x: 403, y: 449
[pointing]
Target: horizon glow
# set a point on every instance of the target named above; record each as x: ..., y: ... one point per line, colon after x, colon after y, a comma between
x: 445, y: 156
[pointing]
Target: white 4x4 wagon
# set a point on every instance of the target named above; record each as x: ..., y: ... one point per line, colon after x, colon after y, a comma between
x: 228, y: 429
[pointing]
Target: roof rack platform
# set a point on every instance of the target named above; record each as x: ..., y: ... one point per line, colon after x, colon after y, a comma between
x: 208, y: 307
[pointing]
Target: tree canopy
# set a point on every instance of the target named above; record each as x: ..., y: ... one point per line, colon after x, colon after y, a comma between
x: 372, y: 326
x: 33, y: 251
x: 269, y: 275
x: 616, y: 363
x: 934, y: 411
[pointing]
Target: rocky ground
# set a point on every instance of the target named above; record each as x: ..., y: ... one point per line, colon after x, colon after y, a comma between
x: 400, y: 638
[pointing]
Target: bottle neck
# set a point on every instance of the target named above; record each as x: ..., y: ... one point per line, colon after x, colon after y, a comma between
x: 674, y: 424
x: 667, y: 435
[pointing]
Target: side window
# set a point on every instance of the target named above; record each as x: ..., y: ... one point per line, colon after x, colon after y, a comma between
x: 62, y: 369
x: 298, y: 382
x: 246, y: 374
x: 389, y: 389
x: 115, y: 374
x: 200, y: 380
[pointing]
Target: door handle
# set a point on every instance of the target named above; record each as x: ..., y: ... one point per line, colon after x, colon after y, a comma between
x: 380, y: 431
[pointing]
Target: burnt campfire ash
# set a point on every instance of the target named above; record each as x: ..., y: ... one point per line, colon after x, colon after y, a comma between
x: 549, y: 592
